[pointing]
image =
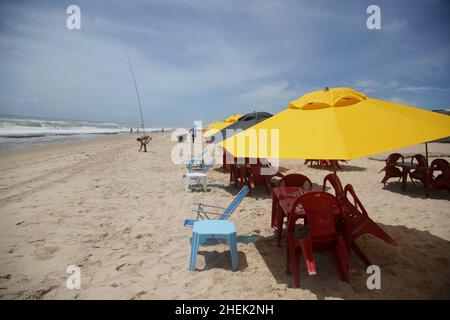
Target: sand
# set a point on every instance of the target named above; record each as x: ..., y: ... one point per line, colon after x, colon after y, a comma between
x: 118, y: 214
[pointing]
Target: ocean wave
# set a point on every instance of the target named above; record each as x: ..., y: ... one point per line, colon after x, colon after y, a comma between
x: 28, y: 128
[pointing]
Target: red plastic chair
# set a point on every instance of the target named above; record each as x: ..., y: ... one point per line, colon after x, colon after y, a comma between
x: 441, y: 181
x: 242, y: 176
x: 321, y: 210
x: 334, y: 164
x: 357, y: 223
x: 391, y: 169
x: 421, y: 170
x: 295, y: 180
x: 234, y: 174
x: 333, y: 179
x: 290, y: 180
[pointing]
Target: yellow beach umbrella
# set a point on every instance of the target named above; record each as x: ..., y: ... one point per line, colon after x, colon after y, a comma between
x: 216, y: 126
x: 339, y: 124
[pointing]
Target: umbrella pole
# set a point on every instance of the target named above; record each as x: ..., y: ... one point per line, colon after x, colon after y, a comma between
x: 426, y: 150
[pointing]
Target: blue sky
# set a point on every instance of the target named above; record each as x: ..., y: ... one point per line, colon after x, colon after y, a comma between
x: 204, y: 60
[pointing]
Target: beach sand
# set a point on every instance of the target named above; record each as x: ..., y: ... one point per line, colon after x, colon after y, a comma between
x: 118, y: 214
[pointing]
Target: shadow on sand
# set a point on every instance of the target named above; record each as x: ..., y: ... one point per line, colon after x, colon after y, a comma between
x: 418, y: 267
x: 416, y: 190
x: 259, y: 192
x: 344, y: 168
x: 222, y: 260
x: 222, y: 170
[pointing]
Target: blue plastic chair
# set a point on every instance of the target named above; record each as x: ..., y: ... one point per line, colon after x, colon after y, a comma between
x: 213, y: 229
x: 195, y: 161
x: 197, y: 176
x: 203, y: 214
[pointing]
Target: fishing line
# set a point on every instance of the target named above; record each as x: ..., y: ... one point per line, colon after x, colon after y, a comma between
x: 137, y: 92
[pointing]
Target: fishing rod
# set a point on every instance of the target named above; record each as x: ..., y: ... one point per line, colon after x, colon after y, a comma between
x: 137, y: 92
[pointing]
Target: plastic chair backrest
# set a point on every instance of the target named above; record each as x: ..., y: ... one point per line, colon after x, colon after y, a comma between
x: 421, y: 160
x: 441, y: 165
x: 208, y: 166
x: 393, y: 158
x: 354, y: 208
x: 295, y: 180
x: 335, y: 183
x: 234, y: 204
x: 321, y: 209
x: 194, y: 157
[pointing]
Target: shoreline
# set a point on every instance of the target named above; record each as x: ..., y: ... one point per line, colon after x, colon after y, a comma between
x: 17, y: 132
x: 67, y: 139
x: 55, y: 146
x: 46, y: 147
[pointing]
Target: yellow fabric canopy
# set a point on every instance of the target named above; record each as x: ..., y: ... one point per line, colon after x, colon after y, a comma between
x: 338, y: 123
x: 216, y: 126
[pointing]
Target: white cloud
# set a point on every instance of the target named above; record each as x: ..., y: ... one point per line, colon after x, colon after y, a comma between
x: 422, y: 89
x: 370, y: 85
x: 403, y: 101
x: 271, y: 97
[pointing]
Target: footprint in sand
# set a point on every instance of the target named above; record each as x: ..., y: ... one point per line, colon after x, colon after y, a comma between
x: 121, y: 266
x: 5, y: 277
x: 142, y: 235
x: 139, y: 295
x: 41, y: 293
x: 45, y: 253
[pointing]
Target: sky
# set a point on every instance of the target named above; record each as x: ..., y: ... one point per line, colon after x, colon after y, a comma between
x: 208, y: 59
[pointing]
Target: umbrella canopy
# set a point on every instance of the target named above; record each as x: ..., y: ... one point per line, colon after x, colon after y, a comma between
x: 339, y: 124
x: 216, y: 126
x: 245, y: 122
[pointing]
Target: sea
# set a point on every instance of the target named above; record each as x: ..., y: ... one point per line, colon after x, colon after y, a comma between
x: 22, y: 131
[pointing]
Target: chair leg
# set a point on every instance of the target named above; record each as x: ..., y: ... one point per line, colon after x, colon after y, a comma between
x: 360, y: 254
x: 205, y: 183
x: 267, y: 184
x: 340, y: 265
x: 234, y: 252
x: 380, y: 233
x: 306, y: 246
x: 250, y: 185
x: 279, y: 224
x: 194, y: 251
x: 344, y: 255
x: 295, y: 269
x: 251, y: 181
x: 274, y: 208
x: 372, y: 228
x: 187, y: 184
x: 290, y: 253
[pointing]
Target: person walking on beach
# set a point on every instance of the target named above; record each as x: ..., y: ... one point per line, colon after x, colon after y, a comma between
x: 194, y: 132
x: 144, y: 140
